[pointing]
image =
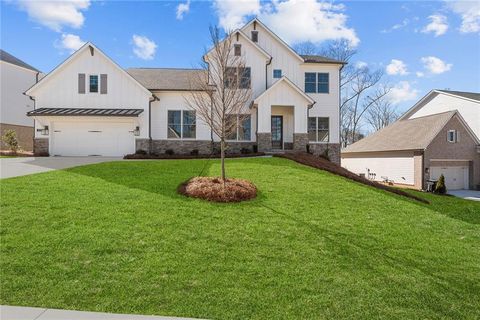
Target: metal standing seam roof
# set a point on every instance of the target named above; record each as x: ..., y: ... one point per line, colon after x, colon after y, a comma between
x: 85, y: 112
x: 410, y: 134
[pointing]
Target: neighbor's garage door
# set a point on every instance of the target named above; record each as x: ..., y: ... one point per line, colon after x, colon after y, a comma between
x: 82, y: 138
x: 455, y: 177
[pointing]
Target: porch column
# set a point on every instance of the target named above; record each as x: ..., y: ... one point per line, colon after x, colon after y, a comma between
x: 300, y: 134
x: 264, y: 128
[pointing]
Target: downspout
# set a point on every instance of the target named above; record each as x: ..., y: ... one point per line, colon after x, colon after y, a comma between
x: 150, y: 142
x: 266, y: 73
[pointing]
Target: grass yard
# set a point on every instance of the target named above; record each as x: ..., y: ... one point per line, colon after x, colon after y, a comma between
x: 116, y: 237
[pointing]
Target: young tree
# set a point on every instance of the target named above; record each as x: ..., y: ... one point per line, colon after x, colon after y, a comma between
x: 10, y: 139
x: 221, y: 99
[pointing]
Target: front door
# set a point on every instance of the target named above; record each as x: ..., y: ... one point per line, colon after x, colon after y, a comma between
x: 277, y: 132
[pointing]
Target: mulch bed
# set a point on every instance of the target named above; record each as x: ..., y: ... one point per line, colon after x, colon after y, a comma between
x: 18, y: 154
x: 187, y: 156
x: 214, y: 189
x: 323, y: 164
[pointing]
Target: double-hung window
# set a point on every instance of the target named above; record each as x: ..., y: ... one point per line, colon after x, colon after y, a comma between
x: 93, y: 83
x: 181, y: 124
x: 452, y: 136
x: 237, y: 78
x: 241, y: 127
x: 316, y: 82
x: 318, y: 129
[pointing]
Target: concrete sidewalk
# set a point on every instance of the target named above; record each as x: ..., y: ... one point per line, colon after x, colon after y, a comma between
x: 28, y: 313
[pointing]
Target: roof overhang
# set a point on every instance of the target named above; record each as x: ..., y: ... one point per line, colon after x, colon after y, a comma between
x: 84, y: 112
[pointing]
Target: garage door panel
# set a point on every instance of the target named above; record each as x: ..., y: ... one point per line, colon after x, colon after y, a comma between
x: 92, y: 138
x: 455, y: 177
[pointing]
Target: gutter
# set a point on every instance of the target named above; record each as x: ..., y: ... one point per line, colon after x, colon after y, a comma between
x: 266, y: 73
x: 150, y: 142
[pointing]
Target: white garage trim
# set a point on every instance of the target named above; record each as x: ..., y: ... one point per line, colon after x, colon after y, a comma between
x: 456, y: 177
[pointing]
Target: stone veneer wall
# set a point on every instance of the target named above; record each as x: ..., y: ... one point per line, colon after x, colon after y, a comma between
x: 24, y: 136
x: 185, y: 147
x: 40, y: 146
x: 264, y: 140
x: 300, y: 141
x: 333, y: 150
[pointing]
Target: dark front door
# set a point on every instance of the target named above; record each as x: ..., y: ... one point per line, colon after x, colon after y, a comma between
x: 277, y: 132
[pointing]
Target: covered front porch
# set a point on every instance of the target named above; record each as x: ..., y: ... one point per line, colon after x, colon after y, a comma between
x: 282, y: 113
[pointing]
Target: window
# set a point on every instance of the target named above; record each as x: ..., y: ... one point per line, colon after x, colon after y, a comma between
x: 318, y: 129
x: 310, y: 82
x: 181, y: 124
x: 243, y: 126
x: 93, y: 83
x: 277, y: 73
x: 322, y: 82
x: 316, y: 82
x: 240, y: 77
x: 452, y: 136
x: 255, y: 36
x: 238, y: 49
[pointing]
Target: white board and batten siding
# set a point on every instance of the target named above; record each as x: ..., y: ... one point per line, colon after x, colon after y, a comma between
x: 396, y: 166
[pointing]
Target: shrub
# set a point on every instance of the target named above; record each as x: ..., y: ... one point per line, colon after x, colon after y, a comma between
x: 194, y: 152
x: 140, y: 151
x: 440, y: 187
x: 255, y: 148
x: 245, y: 151
x: 10, y: 139
x: 169, y: 152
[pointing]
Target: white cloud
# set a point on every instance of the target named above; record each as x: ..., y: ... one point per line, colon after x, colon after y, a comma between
x: 361, y: 64
x: 144, y: 48
x: 470, y: 13
x: 402, y: 92
x: 293, y: 20
x: 419, y: 74
x: 397, y: 67
x: 56, y: 14
x: 69, y: 42
x: 435, y: 65
x: 438, y: 25
x: 397, y: 26
x: 182, y: 9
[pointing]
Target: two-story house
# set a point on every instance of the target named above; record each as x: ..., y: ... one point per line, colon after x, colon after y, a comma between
x: 88, y: 105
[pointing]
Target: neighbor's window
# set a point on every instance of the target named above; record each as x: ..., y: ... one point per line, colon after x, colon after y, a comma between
x: 277, y: 73
x: 181, y: 124
x: 316, y: 82
x: 243, y: 127
x: 452, y: 136
x: 238, y: 49
x: 240, y: 77
x: 255, y: 36
x: 93, y: 83
x: 318, y: 129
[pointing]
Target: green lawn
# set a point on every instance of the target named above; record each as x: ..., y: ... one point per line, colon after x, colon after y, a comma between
x: 116, y: 237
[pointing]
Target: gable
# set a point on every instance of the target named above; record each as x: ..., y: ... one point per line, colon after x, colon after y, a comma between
x: 284, y: 92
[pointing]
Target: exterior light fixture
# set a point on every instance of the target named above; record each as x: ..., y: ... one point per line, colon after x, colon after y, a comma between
x: 136, y: 132
x: 44, y: 131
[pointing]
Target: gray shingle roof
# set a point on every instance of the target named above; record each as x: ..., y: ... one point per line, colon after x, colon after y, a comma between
x: 167, y: 79
x: 7, y: 57
x: 319, y: 59
x: 469, y: 95
x: 85, y: 112
x: 410, y: 134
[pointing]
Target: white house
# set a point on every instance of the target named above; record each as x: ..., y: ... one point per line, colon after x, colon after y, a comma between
x: 15, y: 77
x: 438, y: 135
x: 89, y: 105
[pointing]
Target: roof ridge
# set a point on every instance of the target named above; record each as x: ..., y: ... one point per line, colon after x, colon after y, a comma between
x: 429, y: 115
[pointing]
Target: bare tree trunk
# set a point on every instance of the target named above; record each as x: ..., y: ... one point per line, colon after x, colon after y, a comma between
x: 222, y: 157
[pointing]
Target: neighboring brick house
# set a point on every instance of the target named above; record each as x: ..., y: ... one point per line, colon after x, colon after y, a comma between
x: 15, y: 77
x: 436, y: 136
x: 90, y: 106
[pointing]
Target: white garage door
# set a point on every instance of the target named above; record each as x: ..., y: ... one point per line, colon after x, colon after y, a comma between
x: 95, y: 138
x: 455, y: 177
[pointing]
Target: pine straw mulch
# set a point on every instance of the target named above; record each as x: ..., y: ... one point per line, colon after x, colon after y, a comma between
x: 213, y: 189
x: 323, y: 164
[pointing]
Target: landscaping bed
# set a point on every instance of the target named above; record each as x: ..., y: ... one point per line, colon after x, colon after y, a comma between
x: 189, y: 156
x: 217, y: 190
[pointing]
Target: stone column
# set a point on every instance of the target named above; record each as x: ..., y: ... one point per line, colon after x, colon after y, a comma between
x: 40, y: 146
x: 300, y: 141
x: 264, y: 141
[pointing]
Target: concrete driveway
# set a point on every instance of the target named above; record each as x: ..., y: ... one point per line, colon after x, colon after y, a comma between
x: 466, y: 194
x: 22, y: 166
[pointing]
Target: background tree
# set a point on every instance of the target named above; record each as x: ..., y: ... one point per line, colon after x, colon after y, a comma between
x: 221, y: 99
x: 381, y: 114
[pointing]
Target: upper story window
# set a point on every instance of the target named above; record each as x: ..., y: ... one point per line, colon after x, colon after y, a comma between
x: 238, y: 78
x: 277, y: 73
x: 255, y: 36
x: 181, y: 124
x: 318, y: 129
x: 242, y: 125
x: 237, y: 50
x: 316, y: 82
x: 93, y: 83
x: 452, y: 136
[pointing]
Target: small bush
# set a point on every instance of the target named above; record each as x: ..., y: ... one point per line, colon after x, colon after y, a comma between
x: 194, y: 152
x: 169, y: 152
x: 10, y: 139
x: 440, y: 187
x: 245, y: 151
x: 140, y: 151
x: 255, y: 148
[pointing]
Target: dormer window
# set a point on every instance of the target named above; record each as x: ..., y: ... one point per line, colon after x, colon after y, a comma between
x: 255, y: 36
x: 238, y: 50
x: 452, y: 136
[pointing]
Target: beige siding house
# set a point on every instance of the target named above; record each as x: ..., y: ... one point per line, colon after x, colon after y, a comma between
x: 423, y: 144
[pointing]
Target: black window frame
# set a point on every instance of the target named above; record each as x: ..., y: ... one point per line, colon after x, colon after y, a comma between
x: 90, y: 76
x: 276, y: 75
x: 238, y: 78
x: 236, y: 136
x: 315, y: 82
x: 254, y: 35
x: 310, y: 82
x: 317, y: 129
x: 182, y: 125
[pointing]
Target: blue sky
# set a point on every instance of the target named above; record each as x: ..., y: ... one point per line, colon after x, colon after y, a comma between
x: 419, y: 45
